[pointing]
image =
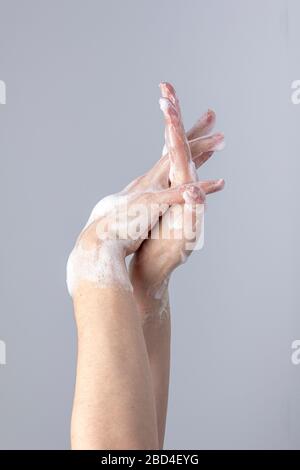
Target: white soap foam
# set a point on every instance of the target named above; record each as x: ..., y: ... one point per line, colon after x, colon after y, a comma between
x: 103, y: 266
x: 220, y: 146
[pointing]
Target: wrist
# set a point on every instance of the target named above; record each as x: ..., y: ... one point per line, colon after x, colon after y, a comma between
x: 151, y: 294
x: 101, y: 265
x: 150, y: 269
x: 150, y: 307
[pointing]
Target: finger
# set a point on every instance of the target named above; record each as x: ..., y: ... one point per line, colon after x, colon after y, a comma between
x: 158, y: 175
x: 199, y: 160
x: 193, y: 220
x: 156, y: 203
x: 173, y: 195
x: 181, y: 169
x: 212, y: 186
x: 203, y: 126
x: 213, y: 142
x: 177, y: 145
x: 201, y: 149
x: 168, y: 91
x: 185, y: 219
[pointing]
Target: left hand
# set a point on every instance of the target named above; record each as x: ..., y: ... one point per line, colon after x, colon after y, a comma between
x: 152, y: 265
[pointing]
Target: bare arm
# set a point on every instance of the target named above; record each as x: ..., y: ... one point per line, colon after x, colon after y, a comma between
x: 123, y: 336
x: 152, y: 265
x: 156, y: 320
x: 114, y: 404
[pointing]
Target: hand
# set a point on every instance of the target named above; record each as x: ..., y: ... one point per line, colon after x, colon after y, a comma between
x: 116, y: 228
x: 157, y: 258
x: 98, y: 255
x: 114, y: 353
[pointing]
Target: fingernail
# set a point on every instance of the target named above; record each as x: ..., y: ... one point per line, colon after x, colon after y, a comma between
x: 207, y: 117
x: 163, y: 89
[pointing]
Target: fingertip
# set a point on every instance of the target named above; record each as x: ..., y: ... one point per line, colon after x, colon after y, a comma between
x: 211, y: 115
x: 220, y: 143
x: 221, y: 183
x: 163, y: 89
x: 219, y: 135
x: 168, y: 91
x: 207, y: 120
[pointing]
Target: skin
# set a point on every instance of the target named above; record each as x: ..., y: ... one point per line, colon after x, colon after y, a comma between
x: 124, y: 336
x: 152, y: 265
x: 114, y: 402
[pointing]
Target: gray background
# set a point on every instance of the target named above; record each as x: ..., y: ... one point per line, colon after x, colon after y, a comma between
x: 81, y: 120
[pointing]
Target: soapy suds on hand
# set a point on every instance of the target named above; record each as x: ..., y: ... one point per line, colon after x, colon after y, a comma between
x: 102, y: 266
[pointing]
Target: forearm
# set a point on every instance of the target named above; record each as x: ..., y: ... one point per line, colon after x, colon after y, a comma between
x: 157, y: 333
x: 113, y: 406
x: 155, y: 314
